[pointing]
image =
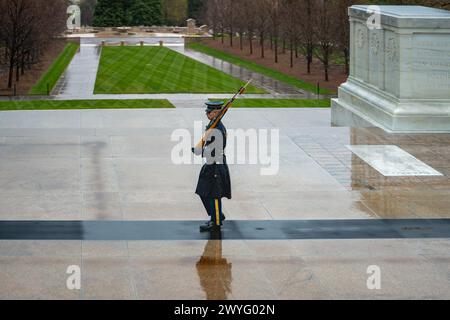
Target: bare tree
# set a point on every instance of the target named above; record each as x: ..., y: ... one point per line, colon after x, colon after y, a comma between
x: 262, y: 22
x: 325, y: 30
x: 240, y: 21
x: 307, y: 22
x: 27, y: 27
x: 343, y: 29
x: 290, y: 14
x: 212, y: 15
x: 228, y: 7
x: 221, y: 19
x: 15, y: 30
x: 274, y: 7
x: 249, y: 20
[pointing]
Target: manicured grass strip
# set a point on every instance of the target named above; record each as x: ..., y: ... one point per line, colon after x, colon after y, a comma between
x: 139, y: 70
x: 55, y: 71
x: 83, y: 104
x: 257, y: 68
x: 280, y: 103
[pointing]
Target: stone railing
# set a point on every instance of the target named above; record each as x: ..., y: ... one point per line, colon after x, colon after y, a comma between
x: 143, y: 29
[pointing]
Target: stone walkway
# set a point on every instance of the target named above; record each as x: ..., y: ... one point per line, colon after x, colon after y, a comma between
x: 79, y: 77
x: 269, y: 84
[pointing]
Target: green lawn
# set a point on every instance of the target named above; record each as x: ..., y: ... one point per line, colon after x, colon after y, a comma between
x: 55, y: 71
x: 257, y: 68
x: 280, y: 103
x: 159, y: 70
x: 83, y: 104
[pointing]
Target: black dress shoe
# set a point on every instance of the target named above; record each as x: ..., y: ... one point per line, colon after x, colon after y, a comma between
x: 210, y: 226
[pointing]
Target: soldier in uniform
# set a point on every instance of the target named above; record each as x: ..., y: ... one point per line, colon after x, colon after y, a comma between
x: 214, y: 181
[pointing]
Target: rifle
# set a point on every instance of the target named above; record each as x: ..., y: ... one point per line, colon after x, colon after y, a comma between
x: 213, y: 124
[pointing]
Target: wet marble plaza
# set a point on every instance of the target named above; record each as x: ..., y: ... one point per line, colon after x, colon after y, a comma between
x: 99, y: 166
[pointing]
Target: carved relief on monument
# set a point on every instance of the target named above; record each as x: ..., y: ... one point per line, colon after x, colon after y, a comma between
x: 361, y: 52
x: 375, y: 44
x: 376, y: 67
x: 392, y: 49
x: 360, y: 37
x: 392, y: 56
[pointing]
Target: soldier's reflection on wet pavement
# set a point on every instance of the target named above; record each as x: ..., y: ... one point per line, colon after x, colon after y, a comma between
x: 213, y: 270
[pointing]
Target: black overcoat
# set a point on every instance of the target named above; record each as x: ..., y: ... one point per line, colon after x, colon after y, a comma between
x: 214, y: 181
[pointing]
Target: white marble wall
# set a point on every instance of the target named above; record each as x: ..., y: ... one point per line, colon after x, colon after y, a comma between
x: 399, y: 74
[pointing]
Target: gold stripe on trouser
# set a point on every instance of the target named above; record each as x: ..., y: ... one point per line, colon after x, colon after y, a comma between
x: 217, y: 212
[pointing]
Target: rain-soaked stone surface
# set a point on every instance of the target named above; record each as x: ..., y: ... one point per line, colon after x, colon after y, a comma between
x: 102, y: 165
x: 269, y: 84
x: 79, y: 77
